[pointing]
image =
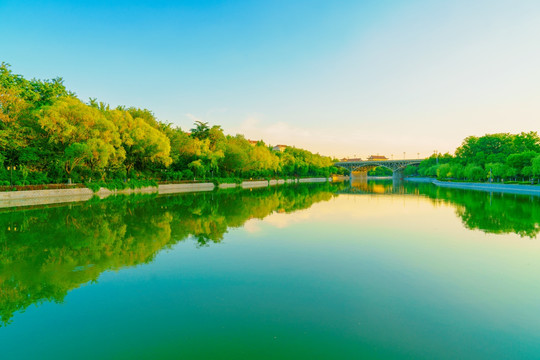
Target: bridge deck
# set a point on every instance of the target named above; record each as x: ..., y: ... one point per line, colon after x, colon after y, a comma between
x: 394, y: 165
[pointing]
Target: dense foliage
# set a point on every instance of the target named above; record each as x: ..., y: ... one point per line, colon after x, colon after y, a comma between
x: 48, y: 135
x: 493, y: 157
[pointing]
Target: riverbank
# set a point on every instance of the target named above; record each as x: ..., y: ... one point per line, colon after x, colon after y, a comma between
x: 420, y: 179
x: 504, y: 188
x: 489, y: 187
x: 10, y: 199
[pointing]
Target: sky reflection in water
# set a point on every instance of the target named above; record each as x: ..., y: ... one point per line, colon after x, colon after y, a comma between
x: 311, y: 271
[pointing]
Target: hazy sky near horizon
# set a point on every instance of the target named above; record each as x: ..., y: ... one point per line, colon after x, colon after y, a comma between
x: 341, y: 78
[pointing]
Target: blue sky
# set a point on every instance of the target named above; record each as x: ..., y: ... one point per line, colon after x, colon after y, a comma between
x: 341, y: 78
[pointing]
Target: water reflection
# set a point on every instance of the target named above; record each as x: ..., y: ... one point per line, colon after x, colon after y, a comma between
x: 496, y: 213
x: 46, y: 252
x: 363, y: 186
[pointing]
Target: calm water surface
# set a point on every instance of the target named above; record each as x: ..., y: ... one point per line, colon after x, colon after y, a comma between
x: 315, y: 271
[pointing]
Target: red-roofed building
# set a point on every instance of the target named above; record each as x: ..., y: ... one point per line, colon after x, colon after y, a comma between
x: 279, y: 147
x: 377, y: 158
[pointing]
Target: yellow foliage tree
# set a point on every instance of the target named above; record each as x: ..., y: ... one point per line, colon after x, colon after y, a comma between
x: 141, y: 142
x: 69, y: 121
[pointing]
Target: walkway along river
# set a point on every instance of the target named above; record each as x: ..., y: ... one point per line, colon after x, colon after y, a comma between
x: 490, y: 187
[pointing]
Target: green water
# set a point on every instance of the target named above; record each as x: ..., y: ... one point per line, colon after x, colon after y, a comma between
x: 314, y: 271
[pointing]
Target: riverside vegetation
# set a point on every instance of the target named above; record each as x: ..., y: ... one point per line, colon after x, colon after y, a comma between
x: 48, y: 135
x: 509, y: 158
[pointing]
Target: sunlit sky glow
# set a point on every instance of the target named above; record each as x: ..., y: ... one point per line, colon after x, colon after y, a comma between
x: 341, y: 78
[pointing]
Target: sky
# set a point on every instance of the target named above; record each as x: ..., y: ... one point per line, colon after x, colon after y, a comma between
x: 341, y: 78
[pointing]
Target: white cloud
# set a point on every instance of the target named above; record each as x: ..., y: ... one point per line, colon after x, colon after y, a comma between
x: 252, y: 226
x: 193, y: 117
x: 283, y: 220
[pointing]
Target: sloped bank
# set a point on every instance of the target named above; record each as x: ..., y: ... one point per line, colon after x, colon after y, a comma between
x: 489, y: 187
x: 506, y: 188
x: 44, y: 197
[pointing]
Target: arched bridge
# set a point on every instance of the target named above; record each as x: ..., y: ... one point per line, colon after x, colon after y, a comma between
x: 396, y: 166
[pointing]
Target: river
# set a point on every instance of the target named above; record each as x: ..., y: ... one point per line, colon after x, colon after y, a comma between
x: 309, y: 271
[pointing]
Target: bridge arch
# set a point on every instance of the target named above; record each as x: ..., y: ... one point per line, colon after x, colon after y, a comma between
x: 397, y: 166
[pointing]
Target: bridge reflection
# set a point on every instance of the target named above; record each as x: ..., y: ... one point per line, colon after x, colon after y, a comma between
x: 363, y: 186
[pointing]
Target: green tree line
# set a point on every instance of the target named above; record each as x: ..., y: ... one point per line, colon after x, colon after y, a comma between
x: 48, y: 135
x: 493, y: 157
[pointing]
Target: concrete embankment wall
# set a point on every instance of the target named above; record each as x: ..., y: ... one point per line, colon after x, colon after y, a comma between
x: 489, y: 187
x: 506, y: 188
x: 420, y: 179
x: 179, y: 188
x: 44, y: 197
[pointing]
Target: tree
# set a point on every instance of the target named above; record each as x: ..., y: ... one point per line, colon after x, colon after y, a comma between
x: 498, y: 170
x: 457, y: 170
x: 521, y: 160
x: 74, y: 155
x: 511, y: 173
x: 146, y: 115
x: 69, y: 121
x: 236, y: 155
x: 474, y: 172
x: 141, y: 142
x: 201, y: 130
x: 536, y: 166
x: 444, y: 171
x: 197, y: 167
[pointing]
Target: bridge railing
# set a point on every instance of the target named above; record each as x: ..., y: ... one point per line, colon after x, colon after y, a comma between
x: 394, y: 165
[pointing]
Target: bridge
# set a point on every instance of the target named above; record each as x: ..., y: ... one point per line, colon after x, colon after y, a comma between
x: 362, y: 167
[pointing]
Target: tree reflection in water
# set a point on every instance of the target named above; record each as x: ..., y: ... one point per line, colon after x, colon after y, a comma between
x: 45, y: 252
x: 496, y: 213
x: 48, y: 251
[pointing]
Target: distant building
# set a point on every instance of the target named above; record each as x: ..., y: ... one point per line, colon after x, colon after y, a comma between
x: 252, y: 142
x: 377, y: 158
x: 279, y: 147
x: 351, y: 159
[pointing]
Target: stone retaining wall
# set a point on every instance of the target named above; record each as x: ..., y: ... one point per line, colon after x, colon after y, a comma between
x: 57, y: 196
